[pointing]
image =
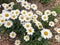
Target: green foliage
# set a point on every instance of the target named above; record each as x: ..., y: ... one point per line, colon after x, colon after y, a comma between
x: 15, y: 6
x: 45, y: 1
x: 36, y: 42
x: 20, y: 31
x: 5, y: 1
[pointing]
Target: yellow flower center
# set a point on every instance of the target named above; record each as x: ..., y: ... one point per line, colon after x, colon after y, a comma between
x: 45, y: 33
x: 34, y: 20
x: 24, y: 12
x: 27, y: 18
x: 8, y: 23
x: 12, y: 12
x: 13, y: 16
x: 51, y: 23
x: 12, y: 34
x: 40, y: 26
x: 29, y: 14
x: 22, y: 17
x: 2, y: 20
x: 30, y: 30
x: 24, y: 3
x: 16, y: 12
x: 6, y: 15
x: 17, y: 42
x: 26, y: 37
x: 7, y: 7
x: 33, y: 6
x: 34, y: 16
x: 44, y: 17
x: 27, y: 26
x: 47, y: 12
x: 27, y: 6
x: 58, y: 30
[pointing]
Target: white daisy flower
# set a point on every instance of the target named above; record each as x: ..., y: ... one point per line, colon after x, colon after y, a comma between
x: 35, y: 16
x: 46, y: 34
x: 34, y: 20
x: 6, y: 14
x: 56, y: 20
x: 58, y: 30
x: 30, y: 31
x: 24, y: 12
x: 44, y: 17
x: 6, y: 6
x: 27, y: 25
x: 54, y: 13
x: 39, y: 25
x: 12, y: 34
x: 47, y: 12
x: 33, y: 6
x: 20, y: 1
x: 2, y: 20
x: 13, y: 17
x: 57, y: 37
x: 27, y: 7
x: 27, y: 19
x: 13, y: 12
x: 8, y: 24
x: 24, y: 3
x: 21, y: 18
x: 39, y: 12
x: 39, y: 39
x: 26, y: 38
x: 17, y: 42
x: 51, y: 23
x: 30, y: 14
x: 17, y: 12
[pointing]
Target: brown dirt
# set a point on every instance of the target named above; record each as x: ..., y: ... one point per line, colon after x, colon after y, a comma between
x: 43, y: 7
x: 5, y: 40
x: 53, y: 41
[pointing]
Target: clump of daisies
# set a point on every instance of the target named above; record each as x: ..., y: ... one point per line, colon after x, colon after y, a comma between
x: 28, y: 24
